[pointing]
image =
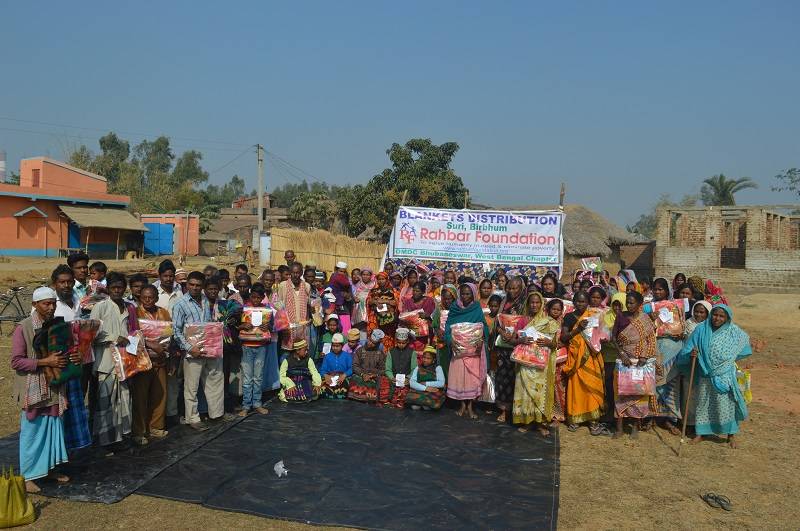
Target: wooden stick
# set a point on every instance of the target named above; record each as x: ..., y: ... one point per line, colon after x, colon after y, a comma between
x: 686, y: 409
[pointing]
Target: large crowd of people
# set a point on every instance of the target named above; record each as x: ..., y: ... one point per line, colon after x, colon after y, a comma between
x: 610, y: 352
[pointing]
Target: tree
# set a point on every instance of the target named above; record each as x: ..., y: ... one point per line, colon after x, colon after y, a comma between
x: 790, y: 181
x: 285, y: 195
x: 114, y: 153
x: 420, y: 168
x: 718, y: 190
x: 648, y: 223
x: 13, y: 178
x: 81, y: 158
x: 315, y: 208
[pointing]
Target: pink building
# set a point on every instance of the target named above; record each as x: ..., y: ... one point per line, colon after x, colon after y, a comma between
x: 58, y: 208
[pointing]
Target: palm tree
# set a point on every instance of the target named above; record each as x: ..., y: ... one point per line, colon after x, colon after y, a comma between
x: 718, y: 190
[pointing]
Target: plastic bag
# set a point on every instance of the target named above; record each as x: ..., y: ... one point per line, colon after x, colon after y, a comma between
x: 743, y: 379
x: 157, y: 331
x: 415, y: 322
x: 281, y: 322
x: 636, y: 380
x: 595, y: 331
x: 126, y: 364
x: 443, y: 320
x: 505, y: 320
x: 15, y: 507
x: 360, y: 308
x: 87, y: 303
x: 84, y: 332
x: 280, y: 469
x: 671, y: 320
x: 531, y: 354
x: 467, y: 339
x: 207, y: 336
x: 488, y: 393
x: 256, y: 334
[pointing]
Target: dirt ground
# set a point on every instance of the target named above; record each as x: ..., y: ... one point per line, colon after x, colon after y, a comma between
x: 605, y: 484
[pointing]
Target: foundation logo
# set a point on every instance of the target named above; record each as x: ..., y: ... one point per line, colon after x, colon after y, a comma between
x: 407, y: 233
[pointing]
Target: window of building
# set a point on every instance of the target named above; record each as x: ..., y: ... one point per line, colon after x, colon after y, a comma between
x: 36, y: 178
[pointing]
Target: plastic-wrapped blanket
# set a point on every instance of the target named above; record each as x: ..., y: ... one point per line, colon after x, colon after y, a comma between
x: 595, y: 331
x: 415, y: 322
x: 126, y: 364
x: 531, y: 354
x: 83, y: 333
x: 443, y: 320
x: 467, y: 339
x: 256, y: 334
x: 671, y: 320
x: 636, y: 380
x: 281, y: 320
x: 509, y: 322
x: 207, y: 336
x: 158, y: 331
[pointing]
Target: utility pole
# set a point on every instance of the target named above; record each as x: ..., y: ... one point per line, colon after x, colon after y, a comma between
x: 260, y: 154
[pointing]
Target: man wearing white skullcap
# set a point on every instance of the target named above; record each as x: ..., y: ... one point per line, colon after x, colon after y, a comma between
x: 337, y: 367
x: 400, y: 361
x: 341, y: 266
x: 41, y: 435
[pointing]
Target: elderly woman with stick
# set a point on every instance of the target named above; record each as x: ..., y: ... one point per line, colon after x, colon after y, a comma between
x: 712, y: 351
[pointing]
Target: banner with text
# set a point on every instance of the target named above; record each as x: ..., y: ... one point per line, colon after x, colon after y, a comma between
x: 483, y: 236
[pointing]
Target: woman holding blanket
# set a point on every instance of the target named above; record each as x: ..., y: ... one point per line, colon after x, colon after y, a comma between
x: 635, y: 335
x: 149, y: 390
x: 584, y: 370
x: 718, y: 404
x: 467, y: 373
x: 382, y: 304
x: 671, y: 381
x: 448, y: 296
x: 533, y: 389
x: 514, y: 304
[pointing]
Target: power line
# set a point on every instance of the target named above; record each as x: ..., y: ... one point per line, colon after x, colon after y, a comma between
x: 123, y: 132
x: 237, y: 157
x: 286, y: 162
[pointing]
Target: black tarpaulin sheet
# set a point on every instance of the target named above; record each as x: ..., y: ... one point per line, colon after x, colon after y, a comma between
x: 356, y: 465
x: 97, y: 478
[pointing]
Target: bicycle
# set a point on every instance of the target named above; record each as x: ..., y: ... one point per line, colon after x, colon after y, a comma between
x: 12, y: 310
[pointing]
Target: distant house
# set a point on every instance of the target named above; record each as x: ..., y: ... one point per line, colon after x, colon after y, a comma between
x: 57, y: 208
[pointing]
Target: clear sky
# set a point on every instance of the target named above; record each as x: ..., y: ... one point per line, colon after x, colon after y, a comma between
x: 622, y: 100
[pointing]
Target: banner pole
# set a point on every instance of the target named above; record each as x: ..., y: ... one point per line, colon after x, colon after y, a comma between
x: 561, y: 199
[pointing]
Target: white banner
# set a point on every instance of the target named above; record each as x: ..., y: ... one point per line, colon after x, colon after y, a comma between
x: 482, y: 236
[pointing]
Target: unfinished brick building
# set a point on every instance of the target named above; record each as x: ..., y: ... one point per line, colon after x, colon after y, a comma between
x: 742, y: 247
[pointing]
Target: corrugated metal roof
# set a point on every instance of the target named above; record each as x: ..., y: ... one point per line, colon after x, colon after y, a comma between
x: 107, y: 218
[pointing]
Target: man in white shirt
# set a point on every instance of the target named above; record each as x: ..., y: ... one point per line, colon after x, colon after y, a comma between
x: 168, y: 291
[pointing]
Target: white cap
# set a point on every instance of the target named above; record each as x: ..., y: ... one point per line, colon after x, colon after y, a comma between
x: 332, y: 316
x: 341, y: 265
x: 43, y: 293
x: 338, y: 339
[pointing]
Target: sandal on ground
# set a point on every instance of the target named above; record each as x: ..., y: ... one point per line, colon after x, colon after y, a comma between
x: 600, y: 430
x: 572, y: 427
x: 502, y: 417
x: 473, y: 416
x: 544, y: 432
x: 262, y: 410
x: 523, y: 429
x: 243, y: 412
x: 60, y: 478
x: 32, y: 488
x: 717, y: 501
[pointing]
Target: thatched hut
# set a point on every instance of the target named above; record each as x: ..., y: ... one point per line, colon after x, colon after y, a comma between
x: 587, y: 233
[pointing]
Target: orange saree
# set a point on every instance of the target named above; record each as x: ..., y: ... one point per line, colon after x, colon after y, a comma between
x: 585, y: 391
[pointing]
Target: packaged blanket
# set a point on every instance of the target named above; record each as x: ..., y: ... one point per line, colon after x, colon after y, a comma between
x: 636, y: 380
x: 256, y: 317
x: 87, y: 303
x: 531, y: 354
x: 207, y: 336
x: 467, y: 339
x: 443, y: 320
x: 671, y: 316
x: 158, y: 331
x: 126, y: 364
x: 83, y: 333
x: 415, y: 322
x: 56, y: 336
x: 508, y: 322
x: 595, y: 332
x: 281, y: 322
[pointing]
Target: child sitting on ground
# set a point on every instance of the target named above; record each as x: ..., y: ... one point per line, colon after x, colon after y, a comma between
x: 427, y: 383
x: 337, y: 367
x: 369, y: 383
x: 400, y: 361
x: 300, y: 381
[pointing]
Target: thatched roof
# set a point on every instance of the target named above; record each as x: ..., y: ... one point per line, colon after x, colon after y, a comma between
x: 587, y: 233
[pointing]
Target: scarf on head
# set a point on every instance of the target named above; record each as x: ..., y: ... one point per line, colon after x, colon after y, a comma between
x: 718, y: 350
x: 540, y: 321
x: 453, y: 291
x: 610, y: 317
x: 470, y: 314
x: 517, y: 305
x: 691, y: 324
x: 697, y: 284
x: 363, y: 288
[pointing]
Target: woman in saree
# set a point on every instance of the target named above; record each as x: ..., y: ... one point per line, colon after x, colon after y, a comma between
x: 678, y: 280
x: 485, y: 289
x: 700, y: 312
x: 635, y: 335
x: 533, y: 389
x: 467, y: 373
x: 555, y: 309
x: 505, y: 376
x: 412, y: 277
x: 435, y: 286
x: 551, y: 288
x: 670, y: 379
x: 382, y: 303
x: 420, y: 302
x: 300, y: 380
x: 718, y: 404
x: 360, y: 294
x: 584, y: 371
x: 449, y: 295
x: 609, y: 350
